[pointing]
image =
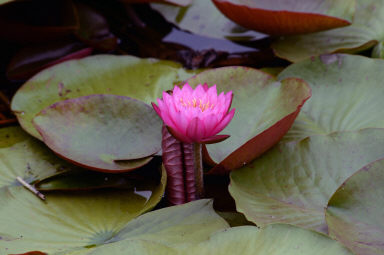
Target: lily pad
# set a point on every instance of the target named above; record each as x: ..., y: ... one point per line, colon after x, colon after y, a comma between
x: 247, y: 240
x: 365, y: 32
x: 21, y: 155
x: 347, y: 91
x: 86, y: 223
x: 282, y: 17
x: 338, y: 131
x: 142, y: 79
x: 293, y: 182
x: 355, y: 212
x: 203, y: 18
x: 265, y: 110
x: 101, y: 132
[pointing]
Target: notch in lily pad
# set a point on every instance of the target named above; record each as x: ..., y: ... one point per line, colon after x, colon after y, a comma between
x: 106, y: 133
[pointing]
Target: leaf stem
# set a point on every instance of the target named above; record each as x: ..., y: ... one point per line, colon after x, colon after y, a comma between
x: 30, y: 188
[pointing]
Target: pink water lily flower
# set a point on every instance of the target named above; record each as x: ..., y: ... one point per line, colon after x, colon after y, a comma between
x: 195, y: 115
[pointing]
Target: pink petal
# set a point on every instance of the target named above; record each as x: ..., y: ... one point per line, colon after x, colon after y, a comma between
x: 186, y: 89
x: 156, y: 108
x: 224, y: 122
x: 195, y: 130
x: 176, y: 134
x: 205, y: 86
x: 215, y: 139
x: 210, y: 123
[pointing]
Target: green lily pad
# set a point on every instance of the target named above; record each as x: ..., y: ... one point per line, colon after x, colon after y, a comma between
x: 101, y: 132
x: 21, y: 155
x: 142, y: 79
x: 293, y: 182
x: 346, y: 93
x: 278, y: 17
x: 265, y: 110
x: 338, y: 131
x: 5, y: 1
x: 355, y: 212
x: 274, y: 239
x: 94, y: 223
x: 366, y: 31
x: 203, y: 18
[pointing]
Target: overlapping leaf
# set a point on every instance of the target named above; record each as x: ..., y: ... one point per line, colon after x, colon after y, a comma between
x: 101, y: 222
x: 203, y: 18
x: 355, y: 212
x: 265, y: 110
x: 279, y: 17
x: 338, y: 131
x: 274, y: 239
x: 142, y: 79
x: 365, y: 31
x: 101, y: 132
x: 24, y: 156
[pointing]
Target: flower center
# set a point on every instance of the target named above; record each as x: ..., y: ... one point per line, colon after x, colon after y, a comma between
x: 196, y: 103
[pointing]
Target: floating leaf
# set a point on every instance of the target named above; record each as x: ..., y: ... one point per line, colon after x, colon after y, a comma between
x: 32, y: 59
x: 355, y: 212
x: 333, y: 136
x: 21, y: 155
x: 277, y: 17
x: 365, y: 31
x: 347, y: 91
x: 247, y: 240
x: 101, y: 132
x: 142, y: 79
x: 293, y: 182
x: 203, y: 18
x: 91, y: 223
x: 265, y: 110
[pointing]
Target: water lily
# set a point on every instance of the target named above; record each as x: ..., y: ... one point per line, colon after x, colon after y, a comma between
x: 196, y: 115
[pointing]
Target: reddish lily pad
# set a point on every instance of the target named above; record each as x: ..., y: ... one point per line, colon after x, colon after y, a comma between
x: 32, y: 59
x: 101, y: 132
x: 203, y: 18
x: 142, y: 79
x: 365, y: 32
x: 355, y: 212
x: 265, y: 110
x: 338, y: 131
x: 277, y: 17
